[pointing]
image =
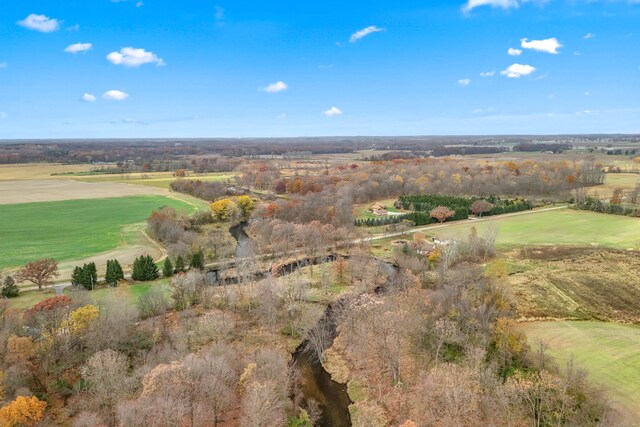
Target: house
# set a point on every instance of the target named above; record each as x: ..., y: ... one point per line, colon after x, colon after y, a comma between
x: 376, y: 207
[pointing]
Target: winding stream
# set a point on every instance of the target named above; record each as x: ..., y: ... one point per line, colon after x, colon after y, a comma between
x: 332, y: 397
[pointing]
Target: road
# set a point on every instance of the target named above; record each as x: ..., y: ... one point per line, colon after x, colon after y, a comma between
x: 225, y: 263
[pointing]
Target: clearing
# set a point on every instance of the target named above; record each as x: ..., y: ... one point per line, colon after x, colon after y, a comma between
x: 557, y: 227
x: 609, y: 352
x: 75, y: 229
x: 626, y: 181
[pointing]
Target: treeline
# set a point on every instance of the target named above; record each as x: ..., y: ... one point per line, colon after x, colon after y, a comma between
x: 532, y: 147
x: 462, y: 205
x: 205, y: 190
x: 381, y: 180
x: 466, y: 150
x: 596, y: 205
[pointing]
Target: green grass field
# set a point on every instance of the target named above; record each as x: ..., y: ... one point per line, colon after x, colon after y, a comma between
x: 73, y: 229
x: 609, y: 352
x: 559, y: 227
x: 131, y: 292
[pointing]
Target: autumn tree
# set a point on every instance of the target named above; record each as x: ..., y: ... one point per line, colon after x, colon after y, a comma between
x: 616, y: 198
x: 246, y: 205
x: 39, y: 272
x: 24, y: 411
x: 225, y: 210
x: 481, y: 206
x: 441, y: 213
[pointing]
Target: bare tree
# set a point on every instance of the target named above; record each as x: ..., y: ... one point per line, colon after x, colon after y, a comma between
x: 105, y: 374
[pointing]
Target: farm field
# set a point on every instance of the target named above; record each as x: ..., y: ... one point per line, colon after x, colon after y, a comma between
x: 574, y: 283
x: 9, y: 172
x: 156, y: 179
x: 47, y: 190
x: 608, y: 351
x: 558, y: 227
x: 74, y: 229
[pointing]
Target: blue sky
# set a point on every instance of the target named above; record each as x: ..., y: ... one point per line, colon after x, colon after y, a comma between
x: 199, y: 68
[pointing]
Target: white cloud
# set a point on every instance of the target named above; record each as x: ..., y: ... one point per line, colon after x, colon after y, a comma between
x: 332, y: 112
x: 364, y: 33
x: 139, y: 4
x: 589, y: 36
x: 115, y: 95
x: 515, y: 71
x: 3, y: 65
x: 488, y: 73
x: 75, y: 27
x: 514, y: 52
x: 587, y: 94
x: 464, y: 82
x: 547, y: 45
x: 3, y: 115
x: 483, y: 110
x: 41, y: 23
x: 87, y: 97
x: 133, y: 57
x: 275, y: 87
x: 78, y: 47
x: 504, y: 4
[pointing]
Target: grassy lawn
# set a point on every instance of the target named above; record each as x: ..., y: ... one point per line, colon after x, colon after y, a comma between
x: 73, y: 229
x: 559, y: 227
x: 157, y: 179
x: 609, y: 352
x: 131, y: 292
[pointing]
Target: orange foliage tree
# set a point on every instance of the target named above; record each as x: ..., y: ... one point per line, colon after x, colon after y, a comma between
x: 24, y: 411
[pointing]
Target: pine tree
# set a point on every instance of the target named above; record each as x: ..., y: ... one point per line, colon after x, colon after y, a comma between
x: 167, y: 268
x: 114, y: 273
x: 144, y: 268
x: 197, y: 260
x: 77, y: 276
x: 89, y: 278
x: 179, y: 265
x: 9, y: 288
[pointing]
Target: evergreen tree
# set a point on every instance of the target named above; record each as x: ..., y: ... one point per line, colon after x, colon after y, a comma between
x: 179, y: 265
x: 9, y: 288
x: 77, y: 276
x: 144, y: 268
x: 89, y: 278
x: 114, y: 273
x: 167, y: 268
x: 197, y: 260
